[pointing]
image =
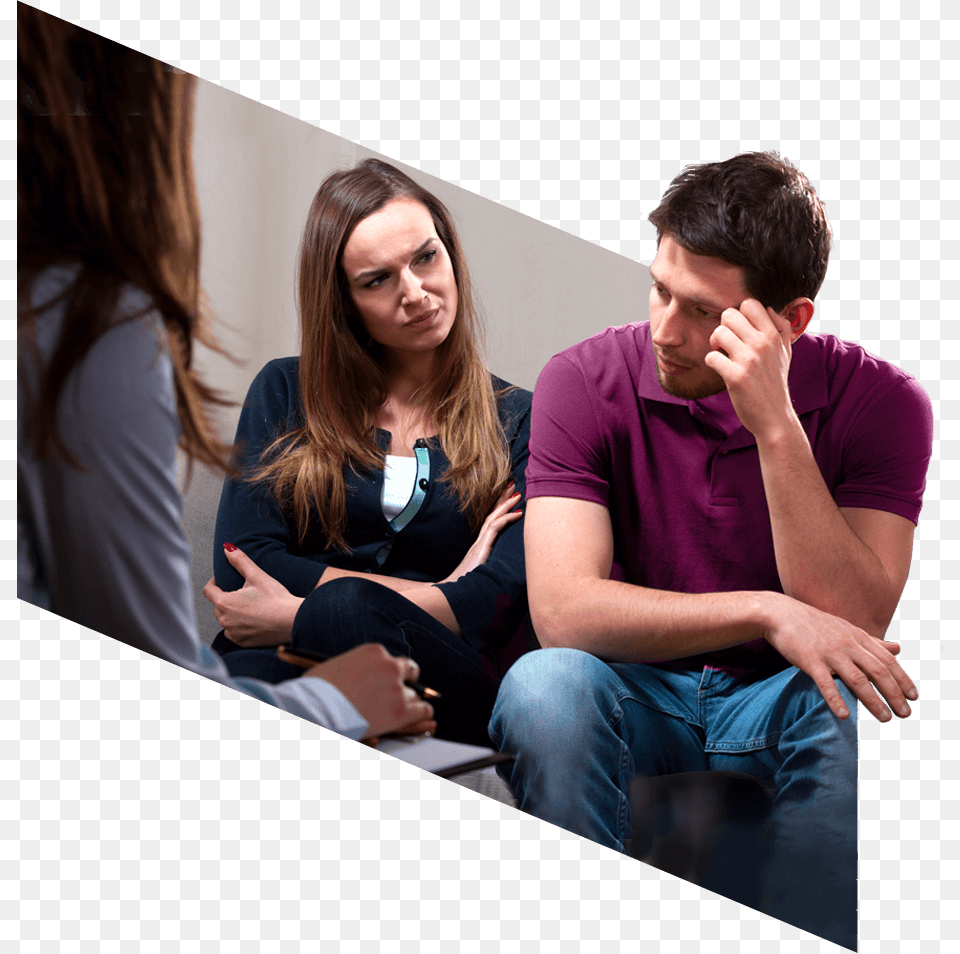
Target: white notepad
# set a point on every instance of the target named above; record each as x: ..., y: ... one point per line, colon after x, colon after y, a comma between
x: 440, y: 756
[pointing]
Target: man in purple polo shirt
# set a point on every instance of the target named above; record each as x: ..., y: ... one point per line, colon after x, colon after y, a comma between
x: 719, y: 526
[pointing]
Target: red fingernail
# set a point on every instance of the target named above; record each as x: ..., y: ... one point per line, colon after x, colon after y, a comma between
x: 229, y: 547
x: 518, y: 494
x: 517, y: 511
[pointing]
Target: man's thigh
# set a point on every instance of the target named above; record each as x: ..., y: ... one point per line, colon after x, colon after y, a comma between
x: 582, y: 730
x: 568, y: 699
x: 777, y: 726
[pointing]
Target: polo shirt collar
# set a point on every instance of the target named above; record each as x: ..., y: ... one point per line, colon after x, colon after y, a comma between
x: 807, y: 379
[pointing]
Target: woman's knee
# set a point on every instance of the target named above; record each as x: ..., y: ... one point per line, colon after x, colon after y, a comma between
x: 338, y: 615
x: 347, y: 591
x: 344, y: 601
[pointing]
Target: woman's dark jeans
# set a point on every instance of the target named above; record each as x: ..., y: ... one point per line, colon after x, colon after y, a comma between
x: 350, y: 611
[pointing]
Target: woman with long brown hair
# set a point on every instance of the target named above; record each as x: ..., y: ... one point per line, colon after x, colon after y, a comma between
x: 383, y: 470
x: 108, y: 240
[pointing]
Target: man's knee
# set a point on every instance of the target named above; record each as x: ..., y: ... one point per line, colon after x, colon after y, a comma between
x: 554, y: 673
x: 551, y: 692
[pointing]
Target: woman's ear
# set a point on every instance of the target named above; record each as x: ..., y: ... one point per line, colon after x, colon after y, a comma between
x: 798, y: 313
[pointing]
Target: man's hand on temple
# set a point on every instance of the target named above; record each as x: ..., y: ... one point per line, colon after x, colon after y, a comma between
x: 754, y: 348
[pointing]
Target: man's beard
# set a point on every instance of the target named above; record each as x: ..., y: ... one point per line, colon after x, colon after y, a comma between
x: 694, y: 391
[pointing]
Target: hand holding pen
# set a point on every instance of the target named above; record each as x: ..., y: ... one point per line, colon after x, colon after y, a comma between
x: 376, y: 683
x: 307, y: 658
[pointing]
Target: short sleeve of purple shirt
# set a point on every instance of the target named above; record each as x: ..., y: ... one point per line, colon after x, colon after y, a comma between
x: 572, y: 462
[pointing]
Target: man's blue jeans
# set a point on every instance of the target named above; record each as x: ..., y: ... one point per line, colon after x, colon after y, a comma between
x: 582, y: 729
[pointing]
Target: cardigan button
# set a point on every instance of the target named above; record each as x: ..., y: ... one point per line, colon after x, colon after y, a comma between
x: 424, y: 483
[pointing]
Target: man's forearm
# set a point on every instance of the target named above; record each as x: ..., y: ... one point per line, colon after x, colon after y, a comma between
x: 569, y: 545
x: 574, y: 603
x: 621, y: 622
x: 820, y: 559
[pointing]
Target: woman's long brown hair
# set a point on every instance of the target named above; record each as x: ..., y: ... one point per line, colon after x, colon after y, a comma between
x: 342, y: 380
x: 105, y: 182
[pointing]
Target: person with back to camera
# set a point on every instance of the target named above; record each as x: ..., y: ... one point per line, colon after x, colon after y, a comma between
x: 108, y: 245
x: 383, y: 469
x: 720, y: 525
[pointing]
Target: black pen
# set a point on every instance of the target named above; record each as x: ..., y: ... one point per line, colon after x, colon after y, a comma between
x: 306, y: 658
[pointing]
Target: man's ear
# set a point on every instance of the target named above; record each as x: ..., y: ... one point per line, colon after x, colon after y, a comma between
x: 798, y: 313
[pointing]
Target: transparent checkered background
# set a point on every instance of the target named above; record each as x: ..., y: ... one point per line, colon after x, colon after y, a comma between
x: 143, y: 805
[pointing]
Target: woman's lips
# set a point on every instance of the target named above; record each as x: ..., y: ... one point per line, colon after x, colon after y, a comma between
x: 423, y: 319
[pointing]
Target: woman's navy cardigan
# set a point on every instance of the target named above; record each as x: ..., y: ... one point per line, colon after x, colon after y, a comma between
x: 490, y: 602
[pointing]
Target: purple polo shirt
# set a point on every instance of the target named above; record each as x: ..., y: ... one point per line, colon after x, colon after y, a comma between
x: 682, y: 479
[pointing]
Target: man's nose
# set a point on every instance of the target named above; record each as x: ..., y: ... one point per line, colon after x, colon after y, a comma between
x: 669, y: 330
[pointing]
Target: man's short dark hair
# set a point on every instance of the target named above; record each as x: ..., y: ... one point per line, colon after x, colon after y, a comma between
x: 756, y: 211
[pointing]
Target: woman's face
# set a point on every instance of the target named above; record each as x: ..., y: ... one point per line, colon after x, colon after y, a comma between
x: 401, y: 279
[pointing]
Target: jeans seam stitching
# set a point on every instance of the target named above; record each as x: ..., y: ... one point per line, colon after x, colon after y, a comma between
x: 761, y: 742
x: 622, y: 782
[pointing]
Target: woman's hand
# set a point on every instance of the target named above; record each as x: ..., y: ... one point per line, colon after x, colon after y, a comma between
x: 503, y: 514
x: 259, y: 614
x: 376, y: 684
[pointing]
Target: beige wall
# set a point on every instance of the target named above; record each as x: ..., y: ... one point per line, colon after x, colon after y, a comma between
x: 257, y: 169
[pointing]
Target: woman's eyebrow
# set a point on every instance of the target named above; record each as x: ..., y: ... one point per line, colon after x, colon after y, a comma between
x: 371, y: 272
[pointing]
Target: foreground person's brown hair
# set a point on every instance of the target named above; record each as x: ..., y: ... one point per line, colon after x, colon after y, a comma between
x: 105, y: 182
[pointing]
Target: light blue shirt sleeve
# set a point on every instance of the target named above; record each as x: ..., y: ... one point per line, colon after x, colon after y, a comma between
x: 107, y: 543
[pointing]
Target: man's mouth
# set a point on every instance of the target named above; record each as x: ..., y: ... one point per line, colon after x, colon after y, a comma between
x: 671, y: 367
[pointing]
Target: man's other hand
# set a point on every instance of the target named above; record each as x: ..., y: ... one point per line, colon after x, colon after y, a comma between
x: 824, y: 646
